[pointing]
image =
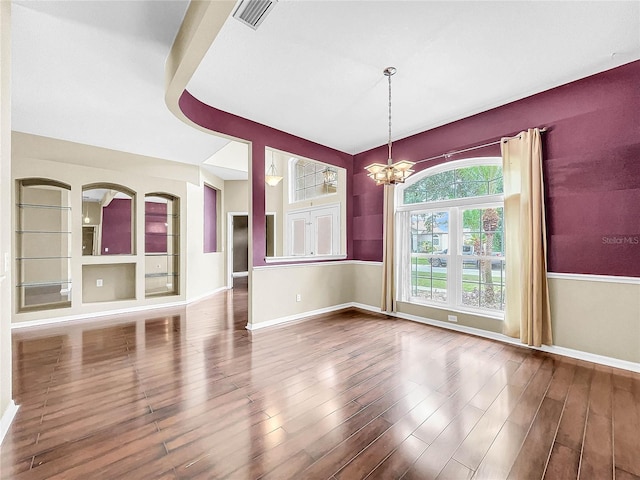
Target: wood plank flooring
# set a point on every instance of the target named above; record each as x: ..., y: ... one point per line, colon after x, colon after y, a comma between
x: 191, y: 393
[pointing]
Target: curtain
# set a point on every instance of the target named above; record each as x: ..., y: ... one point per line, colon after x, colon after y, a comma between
x: 527, y: 313
x: 388, y: 283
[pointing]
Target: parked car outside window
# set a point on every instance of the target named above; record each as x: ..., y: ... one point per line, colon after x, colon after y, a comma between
x: 466, y: 250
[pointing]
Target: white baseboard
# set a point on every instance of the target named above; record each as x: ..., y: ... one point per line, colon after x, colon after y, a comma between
x: 554, y: 349
x: 591, y: 357
x: 562, y: 351
x: 7, y: 418
x: 206, y: 294
x: 298, y: 316
x: 107, y: 313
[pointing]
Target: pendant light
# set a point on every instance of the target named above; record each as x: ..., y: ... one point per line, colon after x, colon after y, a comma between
x: 390, y: 173
x: 86, y: 218
x: 272, y: 178
x: 330, y: 176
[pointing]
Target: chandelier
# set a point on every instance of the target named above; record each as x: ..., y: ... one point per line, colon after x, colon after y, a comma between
x: 390, y: 173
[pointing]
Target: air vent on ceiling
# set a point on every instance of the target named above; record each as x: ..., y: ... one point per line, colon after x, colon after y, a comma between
x: 253, y: 12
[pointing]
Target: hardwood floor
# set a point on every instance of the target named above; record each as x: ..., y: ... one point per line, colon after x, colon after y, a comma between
x: 193, y: 394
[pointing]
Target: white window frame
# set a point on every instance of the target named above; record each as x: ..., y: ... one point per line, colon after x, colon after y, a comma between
x: 454, y: 255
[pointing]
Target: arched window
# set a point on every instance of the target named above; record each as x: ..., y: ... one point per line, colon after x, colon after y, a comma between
x: 451, y: 239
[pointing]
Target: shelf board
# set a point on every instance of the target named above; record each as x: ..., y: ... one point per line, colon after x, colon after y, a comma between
x: 37, y: 205
x: 43, y: 284
x: 43, y: 231
x: 41, y: 258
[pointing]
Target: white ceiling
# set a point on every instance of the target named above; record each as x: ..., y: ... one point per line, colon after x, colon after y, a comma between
x: 93, y: 71
x: 314, y: 68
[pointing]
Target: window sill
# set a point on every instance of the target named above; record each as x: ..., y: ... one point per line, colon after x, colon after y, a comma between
x: 303, y: 258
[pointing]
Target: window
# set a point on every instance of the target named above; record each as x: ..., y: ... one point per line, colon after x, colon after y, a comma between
x: 210, y: 219
x: 312, y: 179
x: 451, y: 239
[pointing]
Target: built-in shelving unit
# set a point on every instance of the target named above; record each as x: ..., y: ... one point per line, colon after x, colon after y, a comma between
x: 162, y: 238
x: 43, y: 244
x: 107, y: 266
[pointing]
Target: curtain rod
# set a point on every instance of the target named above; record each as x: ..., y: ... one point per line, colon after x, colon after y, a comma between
x: 455, y: 152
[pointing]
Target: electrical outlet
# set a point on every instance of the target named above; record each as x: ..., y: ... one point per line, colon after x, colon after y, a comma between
x: 99, y: 282
x: 298, y: 298
x: 452, y: 318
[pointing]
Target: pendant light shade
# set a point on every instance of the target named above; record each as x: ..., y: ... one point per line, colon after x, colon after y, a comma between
x: 390, y: 173
x: 272, y: 178
x: 86, y: 218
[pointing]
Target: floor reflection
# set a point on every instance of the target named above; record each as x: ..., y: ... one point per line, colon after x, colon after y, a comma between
x: 190, y: 393
x: 47, y: 355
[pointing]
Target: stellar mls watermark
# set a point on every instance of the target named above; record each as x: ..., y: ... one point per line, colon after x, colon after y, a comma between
x: 621, y: 240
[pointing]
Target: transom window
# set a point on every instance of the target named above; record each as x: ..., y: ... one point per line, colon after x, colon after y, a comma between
x: 451, y: 238
x: 312, y: 180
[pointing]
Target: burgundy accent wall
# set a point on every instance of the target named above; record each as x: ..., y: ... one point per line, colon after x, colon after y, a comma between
x: 210, y: 219
x: 260, y: 137
x: 591, y: 167
x: 116, y: 227
x: 155, y: 227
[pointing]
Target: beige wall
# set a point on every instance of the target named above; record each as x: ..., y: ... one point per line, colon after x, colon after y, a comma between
x: 119, y: 282
x: 321, y: 285
x: 600, y: 317
x: 206, y: 271
x: 597, y: 317
x: 200, y: 273
x: 236, y: 196
x: 367, y: 283
x: 5, y: 206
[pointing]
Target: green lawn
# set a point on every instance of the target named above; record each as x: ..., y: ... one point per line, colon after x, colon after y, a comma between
x: 439, y: 280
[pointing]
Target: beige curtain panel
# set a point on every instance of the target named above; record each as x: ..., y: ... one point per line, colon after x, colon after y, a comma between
x: 527, y: 314
x: 388, y: 303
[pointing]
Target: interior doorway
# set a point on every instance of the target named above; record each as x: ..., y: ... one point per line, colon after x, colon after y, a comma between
x: 88, y: 240
x: 238, y: 243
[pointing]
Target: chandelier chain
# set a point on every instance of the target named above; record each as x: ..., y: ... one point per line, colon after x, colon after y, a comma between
x: 390, y: 173
x: 389, y: 159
